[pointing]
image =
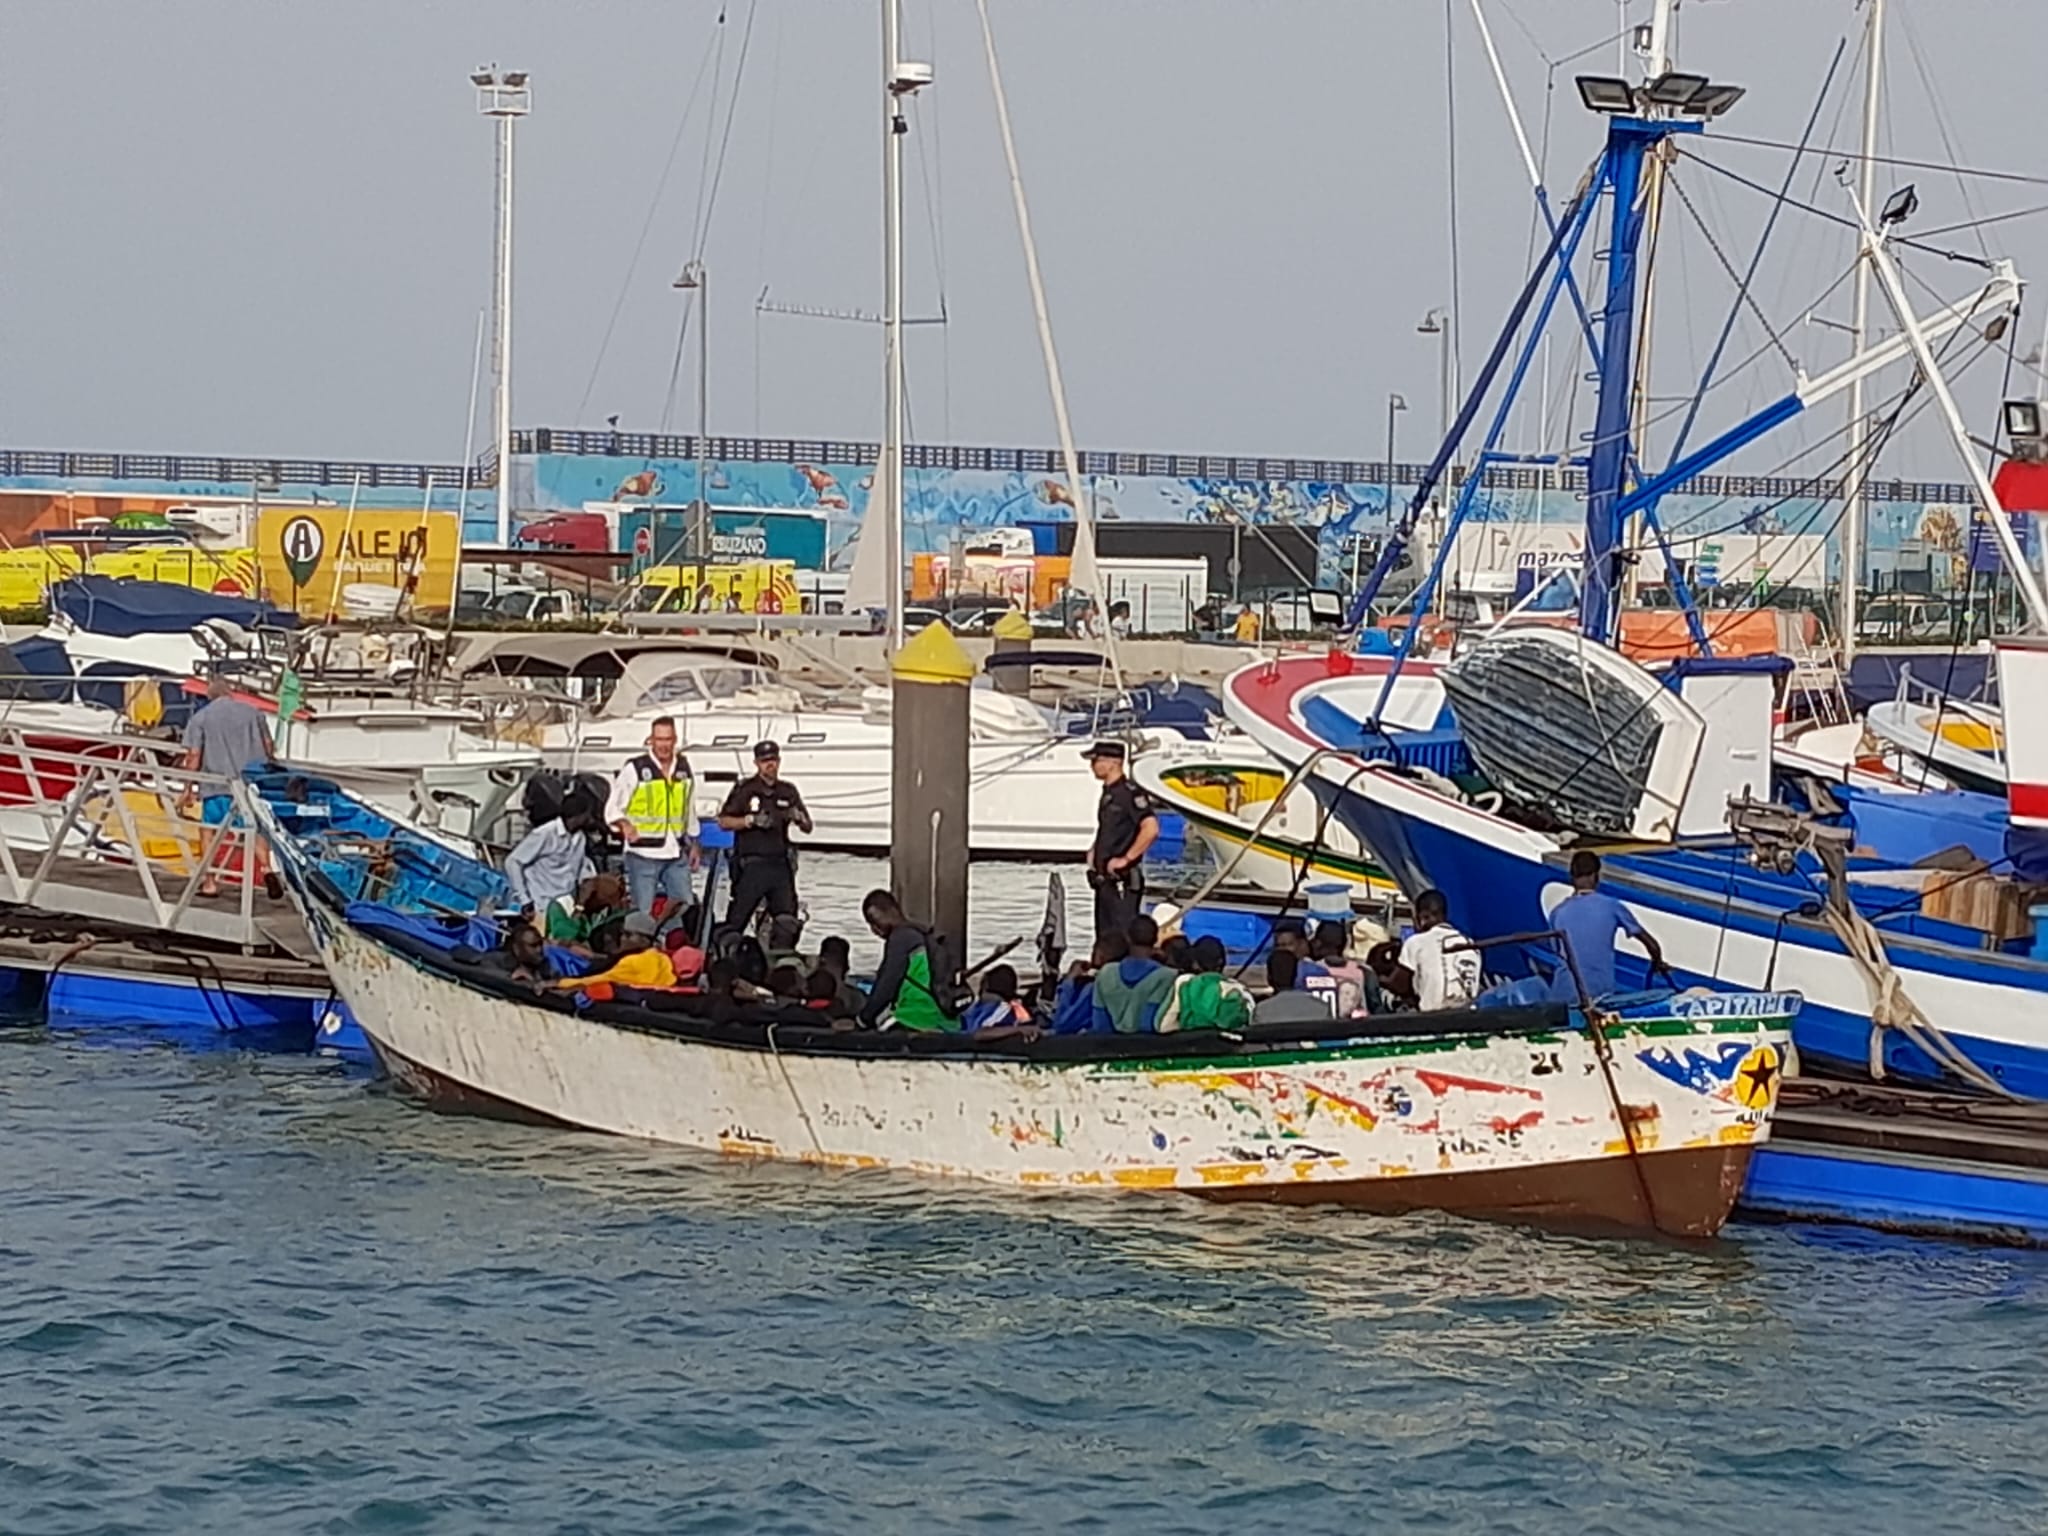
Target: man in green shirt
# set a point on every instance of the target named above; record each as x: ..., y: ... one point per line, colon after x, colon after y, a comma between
x: 905, y: 991
x: 572, y: 921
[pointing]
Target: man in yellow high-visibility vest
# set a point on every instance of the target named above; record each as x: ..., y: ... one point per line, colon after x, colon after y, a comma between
x: 652, y: 808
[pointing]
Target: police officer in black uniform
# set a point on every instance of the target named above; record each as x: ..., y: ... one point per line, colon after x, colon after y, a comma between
x: 759, y: 813
x: 1126, y: 822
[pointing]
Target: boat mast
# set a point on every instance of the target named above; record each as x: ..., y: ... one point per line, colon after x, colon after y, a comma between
x: 899, y: 79
x: 1655, y: 53
x: 1858, y: 475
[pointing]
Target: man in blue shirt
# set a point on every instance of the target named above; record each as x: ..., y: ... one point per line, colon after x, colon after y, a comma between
x: 1591, y: 921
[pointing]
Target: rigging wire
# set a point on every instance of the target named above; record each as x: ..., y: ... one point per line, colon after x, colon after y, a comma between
x: 1456, y: 318
x: 732, y: 107
x: 647, y: 222
x: 1940, y: 117
x: 707, y: 203
x: 767, y: 198
x: 1902, y: 241
x: 1943, y: 167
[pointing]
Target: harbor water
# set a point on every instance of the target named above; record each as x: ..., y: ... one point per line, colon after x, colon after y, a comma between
x: 250, y: 1293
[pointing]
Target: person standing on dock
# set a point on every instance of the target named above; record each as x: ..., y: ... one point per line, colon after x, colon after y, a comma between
x: 1126, y: 824
x: 224, y: 739
x: 759, y: 813
x: 652, y: 807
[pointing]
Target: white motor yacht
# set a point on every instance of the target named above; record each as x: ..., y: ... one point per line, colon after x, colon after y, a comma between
x: 1032, y: 793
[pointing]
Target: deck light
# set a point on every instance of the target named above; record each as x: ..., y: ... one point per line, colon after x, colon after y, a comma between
x: 1606, y: 93
x: 481, y: 76
x: 1900, y: 206
x: 2023, y: 426
x: 1712, y: 99
x: 1674, y: 88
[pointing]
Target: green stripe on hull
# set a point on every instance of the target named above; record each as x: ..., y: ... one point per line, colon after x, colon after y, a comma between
x: 1367, y: 1050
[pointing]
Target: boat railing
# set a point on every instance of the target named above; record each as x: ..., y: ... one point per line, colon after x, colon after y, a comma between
x: 107, y: 829
x: 1911, y: 690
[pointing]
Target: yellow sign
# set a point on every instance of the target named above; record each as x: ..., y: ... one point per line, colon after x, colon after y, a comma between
x: 231, y: 572
x: 757, y: 587
x: 26, y: 574
x: 311, y: 556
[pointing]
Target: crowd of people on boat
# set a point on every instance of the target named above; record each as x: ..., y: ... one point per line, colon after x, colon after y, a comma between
x: 597, y: 944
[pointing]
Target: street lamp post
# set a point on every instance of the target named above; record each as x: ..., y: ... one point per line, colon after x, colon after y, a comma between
x: 1396, y: 403
x: 696, y: 280
x: 506, y: 97
x: 1437, y: 323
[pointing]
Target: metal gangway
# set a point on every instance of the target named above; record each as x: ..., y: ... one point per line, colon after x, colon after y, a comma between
x: 108, y: 829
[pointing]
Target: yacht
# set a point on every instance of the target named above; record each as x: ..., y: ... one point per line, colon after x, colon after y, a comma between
x: 1032, y: 792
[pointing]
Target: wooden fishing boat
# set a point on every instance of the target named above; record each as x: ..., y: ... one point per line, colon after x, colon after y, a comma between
x: 1520, y: 1113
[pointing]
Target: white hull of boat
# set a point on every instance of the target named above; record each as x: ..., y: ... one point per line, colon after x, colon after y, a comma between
x: 1027, y: 799
x: 1295, y: 847
x: 1504, y: 1125
x: 1965, y: 742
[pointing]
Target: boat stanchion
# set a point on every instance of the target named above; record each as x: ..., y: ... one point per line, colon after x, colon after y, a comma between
x: 931, y: 678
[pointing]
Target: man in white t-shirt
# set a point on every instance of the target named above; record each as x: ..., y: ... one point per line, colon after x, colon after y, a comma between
x: 1440, y: 974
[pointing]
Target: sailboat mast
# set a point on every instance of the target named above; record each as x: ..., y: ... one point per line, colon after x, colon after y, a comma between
x: 888, y: 497
x: 1858, y: 475
x: 1656, y: 58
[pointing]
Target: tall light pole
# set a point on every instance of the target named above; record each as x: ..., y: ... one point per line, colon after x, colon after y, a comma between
x: 1396, y: 403
x: 1437, y: 323
x: 506, y: 97
x: 695, y: 280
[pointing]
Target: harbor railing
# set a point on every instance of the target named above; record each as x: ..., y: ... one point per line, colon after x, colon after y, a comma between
x: 107, y: 828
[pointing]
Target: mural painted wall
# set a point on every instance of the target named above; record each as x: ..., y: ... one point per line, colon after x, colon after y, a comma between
x: 937, y: 501
x: 56, y: 490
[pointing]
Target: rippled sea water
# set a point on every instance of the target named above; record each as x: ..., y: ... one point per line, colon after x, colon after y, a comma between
x: 244, y: 1293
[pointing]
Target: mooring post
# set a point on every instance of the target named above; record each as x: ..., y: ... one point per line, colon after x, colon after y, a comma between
x: 928, y: 802
x: 1012, y: 635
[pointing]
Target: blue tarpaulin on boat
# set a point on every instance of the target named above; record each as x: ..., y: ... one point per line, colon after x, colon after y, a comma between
x: 1905, y: 829
x: 107, y: 605
x: 443, y: 933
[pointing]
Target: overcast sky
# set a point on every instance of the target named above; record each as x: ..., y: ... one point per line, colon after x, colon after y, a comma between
x: 263, y: 226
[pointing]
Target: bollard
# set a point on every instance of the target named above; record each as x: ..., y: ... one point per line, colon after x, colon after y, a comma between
x: 1012, y: 635
x: 928, y: 798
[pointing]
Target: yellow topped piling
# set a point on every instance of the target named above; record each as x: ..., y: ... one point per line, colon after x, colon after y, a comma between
x: 932, y: 655
x: 932, y: 709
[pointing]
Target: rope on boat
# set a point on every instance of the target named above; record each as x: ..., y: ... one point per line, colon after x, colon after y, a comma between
x: 1603, y: 1052
x: 1892, y: 1007
x: 794, y: 1097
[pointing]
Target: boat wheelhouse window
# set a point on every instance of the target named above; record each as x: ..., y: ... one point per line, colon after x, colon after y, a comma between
x: 724, y: 681
x: 694, y: 685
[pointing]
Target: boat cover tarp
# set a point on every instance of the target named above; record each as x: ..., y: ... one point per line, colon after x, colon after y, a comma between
x: 115, y: 606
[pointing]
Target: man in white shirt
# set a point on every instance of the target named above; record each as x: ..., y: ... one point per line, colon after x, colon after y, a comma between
x: 1440, y: 973
x: 652, y: 807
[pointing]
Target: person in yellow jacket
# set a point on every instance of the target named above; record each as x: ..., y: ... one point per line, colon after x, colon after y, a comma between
x: 652, y: 806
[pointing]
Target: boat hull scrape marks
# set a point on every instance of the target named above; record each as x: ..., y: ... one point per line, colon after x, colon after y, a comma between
x: 1520, y: 1127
